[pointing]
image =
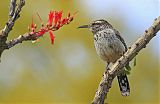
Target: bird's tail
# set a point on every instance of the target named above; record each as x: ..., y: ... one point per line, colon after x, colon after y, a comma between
x: 124, y: 84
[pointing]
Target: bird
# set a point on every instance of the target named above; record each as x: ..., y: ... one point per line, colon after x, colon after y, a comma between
x: 110, y: 46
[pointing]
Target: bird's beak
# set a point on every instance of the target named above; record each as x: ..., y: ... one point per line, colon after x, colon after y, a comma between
x: 84, y: 26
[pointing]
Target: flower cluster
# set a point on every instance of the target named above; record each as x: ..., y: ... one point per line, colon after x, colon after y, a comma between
x: 55, y: 22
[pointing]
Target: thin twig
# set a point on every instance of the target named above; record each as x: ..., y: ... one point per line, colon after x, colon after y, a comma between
x: 117, y: 68
x: 14, y: 16
x: 12, y: 7
x: 20, y: 39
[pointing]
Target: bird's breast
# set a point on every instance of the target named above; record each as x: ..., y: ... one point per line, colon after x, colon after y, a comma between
x: 108, y: 47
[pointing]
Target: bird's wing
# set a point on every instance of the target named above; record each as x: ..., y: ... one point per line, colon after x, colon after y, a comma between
x: 121, y: 39
x: 125, y: 45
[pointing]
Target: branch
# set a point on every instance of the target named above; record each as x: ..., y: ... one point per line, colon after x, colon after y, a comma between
x: 20, y: 39
x: 117, y: 68
x: 14, y: 15
x: 12, y: 7
x: 34, y: 35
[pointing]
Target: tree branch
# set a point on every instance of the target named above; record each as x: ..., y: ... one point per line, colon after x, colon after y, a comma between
x: 20, y: 39
x: 12, y: 7
x: 117, y: 68
x: 14, y: 14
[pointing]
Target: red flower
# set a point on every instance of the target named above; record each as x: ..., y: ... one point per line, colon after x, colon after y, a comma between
x: 64, y: 21
x: 50, y: 17
x: 51, y: 26
x: 32, y: 25
x: 56, y: 18
x: 41, y: 32
x: 51, y: 37
x: 59, y: 15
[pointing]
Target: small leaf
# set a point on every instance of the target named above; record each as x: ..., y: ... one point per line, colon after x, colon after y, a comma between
x: 135, y: 61
x: 127, y: 72
x: 128, y: 67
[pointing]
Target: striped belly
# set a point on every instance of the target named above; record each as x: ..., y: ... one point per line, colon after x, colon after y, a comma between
x: 108, y: 49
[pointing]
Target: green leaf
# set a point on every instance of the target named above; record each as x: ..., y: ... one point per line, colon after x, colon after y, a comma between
x: 128, y: 67
x: 135, y: 61
x: 127, y: 72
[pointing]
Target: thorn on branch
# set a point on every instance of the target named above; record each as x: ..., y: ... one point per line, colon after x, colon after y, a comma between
x: 146, y: 31
x: 137, y: 44
x: 154, y: 27
x: 127, y: 58
x: 119, y: 61
x: 136, y: 53
x: 155, y: 19
x: 129, y: 47
x: 145, y: 40
x: 144, y: 46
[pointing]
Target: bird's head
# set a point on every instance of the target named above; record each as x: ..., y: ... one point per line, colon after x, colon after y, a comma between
x: 97, y: 25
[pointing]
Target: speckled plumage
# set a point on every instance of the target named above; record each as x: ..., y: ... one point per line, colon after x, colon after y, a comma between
x: 110, y: 46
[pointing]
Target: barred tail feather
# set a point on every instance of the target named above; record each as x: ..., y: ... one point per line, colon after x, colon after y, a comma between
x: 124, y: 84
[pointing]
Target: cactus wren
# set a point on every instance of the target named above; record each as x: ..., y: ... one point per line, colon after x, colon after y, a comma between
x: 110, y: 46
